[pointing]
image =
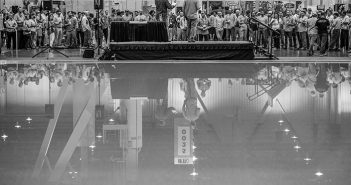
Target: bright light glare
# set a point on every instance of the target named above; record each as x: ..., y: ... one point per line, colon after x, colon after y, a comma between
x: 194, y: 173
x: 29, y: 119
x: 194, y: 158
x: 111, y: 120
x: 297, y: 147
x: 318, y: 173
x: 286, y: 130
x: 17, y: 125
x: 4, y: 136
x: 99, y: 136
x: 92, y: 146
x: 307, y: 159
x: 281, y: 121
x: 294, y: 137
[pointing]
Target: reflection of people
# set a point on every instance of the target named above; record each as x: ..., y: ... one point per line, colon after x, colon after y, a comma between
x: 161, y: 9
x: 163, y: 112
x: 190, y: 110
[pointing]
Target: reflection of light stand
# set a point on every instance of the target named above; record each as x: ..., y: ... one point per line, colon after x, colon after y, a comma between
x: 49, y: 47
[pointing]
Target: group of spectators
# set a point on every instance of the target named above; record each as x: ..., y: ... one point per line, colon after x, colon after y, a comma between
x: 299, y: 29
x: 45, y: 28
x: 26, y: 74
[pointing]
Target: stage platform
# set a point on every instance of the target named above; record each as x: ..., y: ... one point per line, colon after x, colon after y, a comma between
x: 236, y: 50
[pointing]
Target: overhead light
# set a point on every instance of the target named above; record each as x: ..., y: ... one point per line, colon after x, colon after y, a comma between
x: 29, y: 119
x: 281, y: 121
x: 99, y: 136
x: 138, y: 98
x: 286, y: 130
x: 307, y: 159
x: 319, y: 174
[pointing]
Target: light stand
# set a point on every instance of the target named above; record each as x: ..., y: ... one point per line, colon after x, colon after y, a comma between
x: 48, y: 47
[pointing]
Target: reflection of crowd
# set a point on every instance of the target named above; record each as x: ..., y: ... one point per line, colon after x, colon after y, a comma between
x: 24, y: 74
x: 316, y: 78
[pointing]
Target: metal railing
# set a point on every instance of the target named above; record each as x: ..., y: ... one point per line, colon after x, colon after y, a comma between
x: 256, y: 38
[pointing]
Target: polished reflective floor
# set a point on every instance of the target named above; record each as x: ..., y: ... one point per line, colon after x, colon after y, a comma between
x: 168, y: 123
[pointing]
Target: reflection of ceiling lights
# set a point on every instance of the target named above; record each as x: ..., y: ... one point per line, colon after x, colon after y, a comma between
x: 194, y: 173
x: 29, y: 119
x: 4, y: 136
x: 281, y: 121
x: 99, y: 136
x: 319, y: 174
x: 307, y: 159
x: 92, y: 146
x: 297, y: 147
x: 286, y: 130
x: 17, y: 125
x: 294, y: 137
x: 111, y: 120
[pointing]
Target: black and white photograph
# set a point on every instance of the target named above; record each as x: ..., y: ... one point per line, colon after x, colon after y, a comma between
x: 175, y: 92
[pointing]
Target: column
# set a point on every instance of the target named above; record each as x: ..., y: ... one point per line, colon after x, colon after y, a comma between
x: 81, y: 95
x: 134, y: 121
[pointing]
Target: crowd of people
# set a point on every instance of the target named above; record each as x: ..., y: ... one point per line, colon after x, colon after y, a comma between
x: 300, y: 29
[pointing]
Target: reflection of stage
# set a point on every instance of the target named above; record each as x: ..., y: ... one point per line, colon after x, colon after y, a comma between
x: 236, y: 50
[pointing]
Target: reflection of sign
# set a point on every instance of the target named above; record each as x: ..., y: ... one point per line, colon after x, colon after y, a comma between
x: 183, y: 153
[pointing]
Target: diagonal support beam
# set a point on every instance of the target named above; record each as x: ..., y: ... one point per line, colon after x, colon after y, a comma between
x: 71, y: 145
x: 50, y: 130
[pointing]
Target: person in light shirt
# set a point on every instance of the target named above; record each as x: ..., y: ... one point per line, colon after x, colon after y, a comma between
x: 140, y: 17
x: 312, y: 33
x: 242, y: 19
x: 183, y: 27
x: 229, y: 20
x: 275, y: 25
x: 335, y: 32
x: 219, y: 25
x: 302, y: 30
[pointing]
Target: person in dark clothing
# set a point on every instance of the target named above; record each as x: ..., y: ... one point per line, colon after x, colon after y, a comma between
x: 161, y: 9
x: 322, y: 25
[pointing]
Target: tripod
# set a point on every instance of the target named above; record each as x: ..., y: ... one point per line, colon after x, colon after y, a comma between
x: 49, y: 47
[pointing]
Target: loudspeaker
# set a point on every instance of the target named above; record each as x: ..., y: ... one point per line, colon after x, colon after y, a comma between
x: 49, y: 110
x: 47, y: 5
x: 98, y: 4
x: 88, y: 53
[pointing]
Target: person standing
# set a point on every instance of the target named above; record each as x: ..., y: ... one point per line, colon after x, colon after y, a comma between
x: 262, y: 30
x: 203, y: 27
x: 86, y: 30
x: 219, y: 24
x: 212, y: 29
x: 19, y: 18
x: 183, y: 27
x: 335, y: 32
x: 161, y: 9
x: 11, y: 26
x: 289, y: 25
x: 229, y: 20
x: 345, y: 20
x: 71, y: 25
x: 190, y: 11
x: 323, y: 27
x: 302, y: 30
x: 58, y: 21
x: 276, y: 27
x: 80, y: 35
x: 312, y: 33
x: 242, y: 20
x: 105, y: 25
